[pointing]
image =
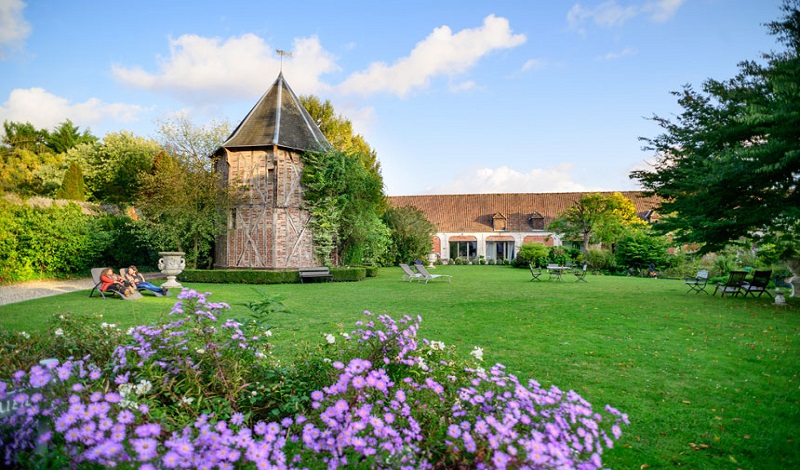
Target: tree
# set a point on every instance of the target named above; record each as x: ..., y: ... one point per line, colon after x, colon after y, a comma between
x: 728, y: 166
x: 182, y: 208
x: 596, y: 218
x: 411, y: 233
x: 23, y: 153
x: 193, y: 144
x: 344, y: 192
x: 73, y: 187
x: 339, y: 132
x: 67, y: 136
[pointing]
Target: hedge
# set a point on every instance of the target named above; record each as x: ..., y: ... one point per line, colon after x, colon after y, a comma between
x: 245, y: 276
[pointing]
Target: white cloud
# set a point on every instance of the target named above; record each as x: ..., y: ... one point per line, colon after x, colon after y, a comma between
x: 442, y: 53
x: 13, y: 27
x: 662, y: 10
x: 508, y: 180
x: 611, y: 14
x: 606, y: 14
x: 45, y: 110
x: 237, y: 67
x: 616, y: 55
x: 533, y: 64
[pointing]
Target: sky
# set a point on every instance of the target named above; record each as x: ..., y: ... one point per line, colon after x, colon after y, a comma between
x: 455, y: 96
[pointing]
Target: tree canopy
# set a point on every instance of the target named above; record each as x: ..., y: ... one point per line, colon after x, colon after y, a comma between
x: 728, y: 166
x: 597, y: 218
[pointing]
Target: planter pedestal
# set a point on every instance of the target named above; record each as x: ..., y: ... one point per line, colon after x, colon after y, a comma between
x: 794, y: 267
x: 171, y: 264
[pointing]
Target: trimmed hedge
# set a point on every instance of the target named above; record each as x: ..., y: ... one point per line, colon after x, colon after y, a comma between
x: 246, y: 276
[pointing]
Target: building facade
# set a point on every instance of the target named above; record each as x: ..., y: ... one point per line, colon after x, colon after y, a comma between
x: 495, y: 226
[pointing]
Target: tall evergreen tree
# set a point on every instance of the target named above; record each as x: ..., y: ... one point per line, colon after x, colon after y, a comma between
x: 729, y: 165
x: 73, y: 187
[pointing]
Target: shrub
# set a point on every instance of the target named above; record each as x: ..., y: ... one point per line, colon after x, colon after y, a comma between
x: 239, y: 276
x: 348, y: 274
x: 532, y: 253
x: 191, y: 392
x: 603, y: 260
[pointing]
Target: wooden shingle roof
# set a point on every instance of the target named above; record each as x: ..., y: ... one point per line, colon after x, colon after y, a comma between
x: 474, y: 212
x: 278, y: 119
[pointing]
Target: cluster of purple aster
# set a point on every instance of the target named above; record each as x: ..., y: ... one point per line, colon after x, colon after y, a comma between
x: 384, y: 409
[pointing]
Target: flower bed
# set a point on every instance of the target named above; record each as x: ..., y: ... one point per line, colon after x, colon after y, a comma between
x: 198, y: 392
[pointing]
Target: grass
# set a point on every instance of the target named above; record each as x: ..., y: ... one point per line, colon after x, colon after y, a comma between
x: 707, y: 382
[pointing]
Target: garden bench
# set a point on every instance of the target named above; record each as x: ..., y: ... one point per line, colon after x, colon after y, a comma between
x: 310, y: 273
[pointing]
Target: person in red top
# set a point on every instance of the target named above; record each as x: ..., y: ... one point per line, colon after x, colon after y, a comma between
x: 111, y: 282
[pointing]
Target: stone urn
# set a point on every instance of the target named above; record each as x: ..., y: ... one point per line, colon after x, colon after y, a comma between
x: 794, y: 267
x: 171, y: 264
x: 432, y: 257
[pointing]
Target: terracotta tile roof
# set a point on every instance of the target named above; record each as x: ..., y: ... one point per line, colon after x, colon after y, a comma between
x: 474, y: 212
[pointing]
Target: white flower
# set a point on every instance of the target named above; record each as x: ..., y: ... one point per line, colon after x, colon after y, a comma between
x: 61, y: 317
x: 104, y: 325
x: 260, y: 355
x: 326, y: 360
x: 200, y: 351
x: 437, y: 345
x: 187, y: 400
x: 254, y: 393
x: 477, y: 353
x: 24, y: 335
x: 143, y: 387
x: 58, y: 332
x: 131, y: 330
x: 267, y: 333
x: 329, y: 338
x: 421, y: 363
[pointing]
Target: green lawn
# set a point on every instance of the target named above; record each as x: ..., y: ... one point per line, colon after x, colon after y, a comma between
x: 707, y: 382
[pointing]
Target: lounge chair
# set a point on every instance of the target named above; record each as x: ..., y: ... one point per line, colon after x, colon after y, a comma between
x: 429, y: 277
x: 697, y: 283
x: 733, y: 285
x: 580, y: 274
x: 535, y: 273
x: 758, y: 284
x: 150, y: 287
x: 408, y: 274
x: 96, y: 272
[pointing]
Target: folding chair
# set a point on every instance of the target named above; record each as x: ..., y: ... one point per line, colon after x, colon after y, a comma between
x: 581, y: 274
x: 698, y: 283
x: 535, y: 273
x: 759, y: 284
x: 733, y: 285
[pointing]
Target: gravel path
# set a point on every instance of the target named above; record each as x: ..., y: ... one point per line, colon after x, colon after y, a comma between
x: 35, y: 289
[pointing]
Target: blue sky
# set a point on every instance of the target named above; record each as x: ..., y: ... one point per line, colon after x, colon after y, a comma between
x: 455, y: 96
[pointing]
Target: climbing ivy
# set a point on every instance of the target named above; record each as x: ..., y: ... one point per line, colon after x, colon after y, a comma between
x: 345, y: 201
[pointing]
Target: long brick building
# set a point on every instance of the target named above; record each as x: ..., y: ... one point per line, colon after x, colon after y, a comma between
x: 496, y: 225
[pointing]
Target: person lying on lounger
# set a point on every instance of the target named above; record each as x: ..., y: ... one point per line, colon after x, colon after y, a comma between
x: 134, y: 276
x: 113, y: 283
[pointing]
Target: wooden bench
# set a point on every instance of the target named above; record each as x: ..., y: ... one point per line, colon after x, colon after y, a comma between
x: 309, y: 273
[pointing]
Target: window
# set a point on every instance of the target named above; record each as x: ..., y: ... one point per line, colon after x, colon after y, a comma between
x: 499, y: 222
x: 500, y: 250
x: 537, y: 221
x: 466, y: 250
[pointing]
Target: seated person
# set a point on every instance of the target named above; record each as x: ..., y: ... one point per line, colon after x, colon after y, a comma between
x: 133, y: 276
x: 109, y: 281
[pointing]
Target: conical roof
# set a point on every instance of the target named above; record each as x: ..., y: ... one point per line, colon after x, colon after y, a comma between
x: 278, y: 119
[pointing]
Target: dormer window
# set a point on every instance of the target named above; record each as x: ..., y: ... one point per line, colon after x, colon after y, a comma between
x: 499, y: 222
x: 537, y: 221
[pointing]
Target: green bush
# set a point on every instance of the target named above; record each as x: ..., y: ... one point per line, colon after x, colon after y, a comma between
x: 349, y: 274
x: 602, y: 260
x: 248, y: 276
x: 532, y: 253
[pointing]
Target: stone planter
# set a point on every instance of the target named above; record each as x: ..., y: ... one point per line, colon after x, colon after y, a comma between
x: 794, y: 267
x: 171, y: 264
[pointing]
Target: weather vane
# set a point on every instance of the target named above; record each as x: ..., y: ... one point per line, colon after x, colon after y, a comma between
x: 283, y: 54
